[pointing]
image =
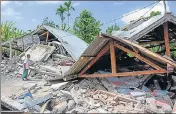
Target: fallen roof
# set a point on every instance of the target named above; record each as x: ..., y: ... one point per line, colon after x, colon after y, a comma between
x: 74, y: 45
x: 93, y: 50
x: 144, y: 28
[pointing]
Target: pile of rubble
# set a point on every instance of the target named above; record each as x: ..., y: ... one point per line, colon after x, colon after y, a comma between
x: 49, y: 64
x: 93, y: 95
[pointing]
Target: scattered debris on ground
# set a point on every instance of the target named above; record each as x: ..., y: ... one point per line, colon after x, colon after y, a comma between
x: 104, y: 92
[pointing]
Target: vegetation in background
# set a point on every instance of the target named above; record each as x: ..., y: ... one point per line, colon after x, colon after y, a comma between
x: 111, y: 28
x: 61, y: 11
x: 9, y: 31
x: 86, y: 26
x: 48, y: 22
x: 69, y: 7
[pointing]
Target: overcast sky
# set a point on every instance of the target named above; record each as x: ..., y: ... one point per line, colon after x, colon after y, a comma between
x: 28, y: 14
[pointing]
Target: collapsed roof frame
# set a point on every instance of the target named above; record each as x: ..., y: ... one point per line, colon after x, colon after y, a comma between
x: 106, y: 42
x: 139, y: 32
x: 112, y: 45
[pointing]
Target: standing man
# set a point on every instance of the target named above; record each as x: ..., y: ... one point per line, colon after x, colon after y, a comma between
x: 26, y: 65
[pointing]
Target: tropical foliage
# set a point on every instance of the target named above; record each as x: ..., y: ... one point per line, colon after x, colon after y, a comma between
x: 8, y: 31
x: 61, y: 11
x: 69, y: 7
x: 111, y: 28
x: 86, y: 26
x: 48, y: 22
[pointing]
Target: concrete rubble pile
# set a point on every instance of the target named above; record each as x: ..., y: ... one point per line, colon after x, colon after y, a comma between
x: 92, y: 95
x: 49, y: 64
x: 140, y: 94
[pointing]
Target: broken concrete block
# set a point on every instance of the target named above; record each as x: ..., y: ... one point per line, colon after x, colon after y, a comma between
x: 100, y: 110
x: 66, y: 94
x: 71, y: 105
x: 148, y: 100
x: 160, y: 92
x: 59, y: 86
x: 93, y: 111
x: 79, y: 110
x: 104, y: 96
x: 96, y: 97
x: 60, y: 108
x: 38, y: 100
x: 174, y: 108
x: 164, y: 107
x: 122, y: 103
x: 168, y: 100
x: 151, y: 107
x: 124, y: 90
x: 137, y: 94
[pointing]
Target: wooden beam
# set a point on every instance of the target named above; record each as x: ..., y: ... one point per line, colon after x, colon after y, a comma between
x: 10, y: 45
x: 166, y: 38
x: 113, y: 57
x: 138, y: 56
x: 148, y: 72
x: 47, y: 37
x: 44, y: 33
x: 153, y: 42
x: 101, y: 53
x: 18, y: 49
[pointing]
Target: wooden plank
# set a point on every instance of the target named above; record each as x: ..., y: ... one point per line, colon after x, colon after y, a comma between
x: 113, y: 57
x: 143, y: 50
x: 166, y: 38
x: 148, y: 72
x: 138, y: 56
x: 153, y: 42
x: 101, y: 53
x: 44, y: 33
x: 10, y: 45
x: 47, y: 37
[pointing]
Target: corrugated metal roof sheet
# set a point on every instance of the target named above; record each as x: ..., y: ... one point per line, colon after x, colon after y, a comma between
x: 139, y: 28
x: 88, y: 55
x: 74, y: 45
x: 145, y: 27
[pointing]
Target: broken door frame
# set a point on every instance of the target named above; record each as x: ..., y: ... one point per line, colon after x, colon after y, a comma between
x: 112, y: 45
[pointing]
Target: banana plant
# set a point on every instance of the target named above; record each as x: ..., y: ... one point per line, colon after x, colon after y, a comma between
x: 9, y: 31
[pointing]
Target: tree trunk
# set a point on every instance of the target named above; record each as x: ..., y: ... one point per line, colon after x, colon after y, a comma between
x: 62, y: 19
x: 68, y: 18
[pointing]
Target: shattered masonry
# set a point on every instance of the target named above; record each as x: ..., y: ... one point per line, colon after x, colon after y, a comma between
x: 114, y: 74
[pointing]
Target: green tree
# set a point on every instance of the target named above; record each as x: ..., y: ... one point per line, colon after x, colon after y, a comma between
x: 8, y: 31
x: 111, y: 28
x: 48, y: 22
x: 86, y: 26
x: 61, y: 11
x: 69, y: 7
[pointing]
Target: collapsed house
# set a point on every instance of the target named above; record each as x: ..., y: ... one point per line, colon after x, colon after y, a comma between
x: 123, y: 75
x: 159, y: 31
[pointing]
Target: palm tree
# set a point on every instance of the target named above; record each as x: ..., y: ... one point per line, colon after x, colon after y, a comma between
x: 60, y: 11
x: 69, y: 7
